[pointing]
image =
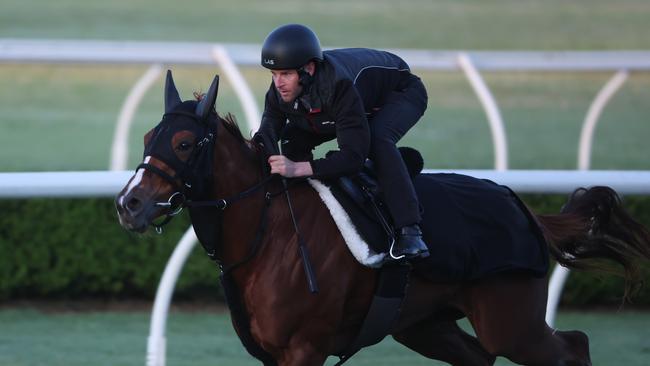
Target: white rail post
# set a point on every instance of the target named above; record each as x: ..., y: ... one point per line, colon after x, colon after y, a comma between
x: 555, y: 286
x: 595, y: 110
x: 491, y: 109
x: 560, y: 273
x: 120, y: 147
x: 238, y: 82
x: 157, y: 343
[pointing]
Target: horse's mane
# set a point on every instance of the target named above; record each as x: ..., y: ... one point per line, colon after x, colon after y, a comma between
x: 230, y: 123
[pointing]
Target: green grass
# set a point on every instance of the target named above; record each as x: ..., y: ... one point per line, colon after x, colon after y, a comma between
x: 62, y: 117
x: 441, y: 24
x: 31, y: 338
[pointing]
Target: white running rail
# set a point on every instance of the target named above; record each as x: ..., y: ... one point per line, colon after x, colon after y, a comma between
x: 108, y: 183
x: 491, y: 110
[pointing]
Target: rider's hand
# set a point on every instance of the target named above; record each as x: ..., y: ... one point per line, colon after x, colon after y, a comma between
x: 285, y: 167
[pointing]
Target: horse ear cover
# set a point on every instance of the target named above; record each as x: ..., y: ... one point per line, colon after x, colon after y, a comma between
x: 172, y: 100
x: 207, y: 103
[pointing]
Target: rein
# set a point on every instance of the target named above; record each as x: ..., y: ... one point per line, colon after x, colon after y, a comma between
x: 223, y: 203
x: 190, y: 171
x: 176, y: 207
x: 189, y: 178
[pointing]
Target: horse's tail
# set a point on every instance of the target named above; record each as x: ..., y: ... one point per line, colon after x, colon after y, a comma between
x: 593, y: 226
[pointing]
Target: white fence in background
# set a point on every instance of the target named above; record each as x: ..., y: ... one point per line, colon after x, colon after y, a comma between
x: 228, y: 55
x: 157, y: 54
x: 108, y: 183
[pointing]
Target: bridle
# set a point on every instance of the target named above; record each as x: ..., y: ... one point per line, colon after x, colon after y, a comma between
x: 176, y: 207
x: 192, y: 179
x: 178, y: 199
x: 182, y: 179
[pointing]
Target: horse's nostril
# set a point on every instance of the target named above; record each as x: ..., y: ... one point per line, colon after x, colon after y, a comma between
x: 134, y: 204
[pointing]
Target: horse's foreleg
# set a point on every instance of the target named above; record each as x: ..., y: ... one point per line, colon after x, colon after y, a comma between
x: 445, y: 341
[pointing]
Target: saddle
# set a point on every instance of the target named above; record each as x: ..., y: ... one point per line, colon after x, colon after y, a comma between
x: 361, y: 202
x: 473, y: 227
x: 362, y: 198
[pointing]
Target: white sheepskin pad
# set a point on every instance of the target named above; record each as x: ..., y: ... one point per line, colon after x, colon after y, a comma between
x: 357, y: 245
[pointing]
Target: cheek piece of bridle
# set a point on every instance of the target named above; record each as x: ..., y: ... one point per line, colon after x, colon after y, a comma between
x: 189, y: 175
x: 192, y: 178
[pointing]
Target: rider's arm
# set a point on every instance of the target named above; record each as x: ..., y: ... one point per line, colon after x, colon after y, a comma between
x: 352, y: 135
x: 287, y: 168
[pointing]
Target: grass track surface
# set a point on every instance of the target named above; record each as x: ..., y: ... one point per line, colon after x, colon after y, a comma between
x: 30, y: 337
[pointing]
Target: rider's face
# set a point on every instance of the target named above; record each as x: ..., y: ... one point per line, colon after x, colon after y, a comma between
x: 287, y: 84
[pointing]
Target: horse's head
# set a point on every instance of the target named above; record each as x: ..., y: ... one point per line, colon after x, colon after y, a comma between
x: 177, y: 160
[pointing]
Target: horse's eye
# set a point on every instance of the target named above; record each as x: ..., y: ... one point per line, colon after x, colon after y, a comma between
x: 183, y: 146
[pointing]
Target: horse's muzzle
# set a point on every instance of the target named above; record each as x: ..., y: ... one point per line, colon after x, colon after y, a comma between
x: 135, y: 210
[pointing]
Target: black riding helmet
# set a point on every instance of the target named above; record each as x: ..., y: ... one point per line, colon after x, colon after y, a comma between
x: 290, y: 47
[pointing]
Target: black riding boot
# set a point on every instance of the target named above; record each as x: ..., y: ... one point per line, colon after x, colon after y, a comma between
x: 409, y: 244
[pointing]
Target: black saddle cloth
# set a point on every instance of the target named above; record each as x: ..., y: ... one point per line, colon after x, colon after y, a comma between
x: 473, y: 228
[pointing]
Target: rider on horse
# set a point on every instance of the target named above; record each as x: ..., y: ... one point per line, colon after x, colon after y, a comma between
x: 366, y: 99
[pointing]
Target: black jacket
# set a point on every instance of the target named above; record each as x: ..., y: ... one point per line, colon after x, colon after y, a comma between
x: 346, y: 88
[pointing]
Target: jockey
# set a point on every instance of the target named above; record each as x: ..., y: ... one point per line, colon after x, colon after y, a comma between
x: 366, y: 99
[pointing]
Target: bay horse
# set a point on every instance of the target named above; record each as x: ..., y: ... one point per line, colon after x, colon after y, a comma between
x: 194, y: 154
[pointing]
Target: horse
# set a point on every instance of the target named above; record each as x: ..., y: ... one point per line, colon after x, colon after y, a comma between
x: 194, y: 155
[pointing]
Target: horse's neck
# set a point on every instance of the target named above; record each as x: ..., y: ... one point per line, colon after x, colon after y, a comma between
x: 274, y: 275
x: 236, y: 169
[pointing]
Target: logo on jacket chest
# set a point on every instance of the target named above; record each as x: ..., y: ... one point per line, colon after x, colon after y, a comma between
x: 315, y: 122
x: 321, y: 120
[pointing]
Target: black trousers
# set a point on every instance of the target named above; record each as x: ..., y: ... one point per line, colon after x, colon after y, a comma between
x: 401, y: 110
x: 387, y: 126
